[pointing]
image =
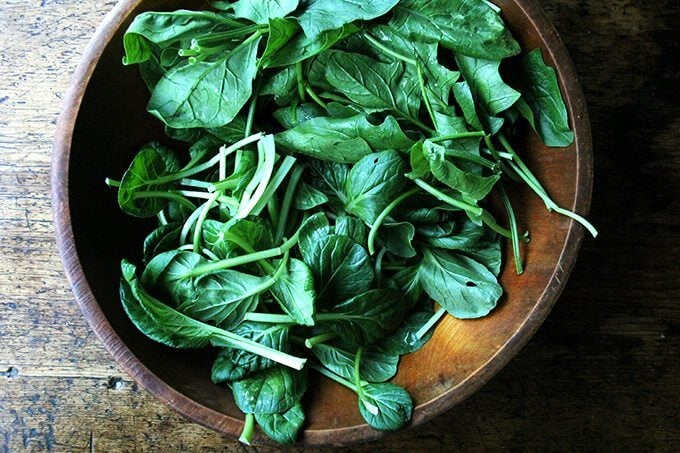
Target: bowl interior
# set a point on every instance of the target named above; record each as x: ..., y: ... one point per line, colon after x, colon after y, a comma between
x: 112, y: 124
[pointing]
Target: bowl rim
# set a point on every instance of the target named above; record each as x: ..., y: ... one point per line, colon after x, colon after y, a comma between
x: 224, y: 423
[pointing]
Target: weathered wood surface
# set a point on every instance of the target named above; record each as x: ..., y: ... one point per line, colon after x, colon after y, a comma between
x: 602, y: 373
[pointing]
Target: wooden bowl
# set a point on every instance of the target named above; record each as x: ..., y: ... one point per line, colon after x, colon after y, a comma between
x: 104, y: 122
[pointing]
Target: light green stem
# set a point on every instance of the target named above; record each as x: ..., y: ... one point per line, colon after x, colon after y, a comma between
x: 383, y: 215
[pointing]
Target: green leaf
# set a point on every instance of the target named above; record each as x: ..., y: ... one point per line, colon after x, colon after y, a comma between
x: 386, y: 407
x: 223, y: 238
x: 207, y: 93
x: 234, y: 364
x: 470, y: 28
x: 281, y: 32
x: 330, y: 178
x: 452, y: 235
x: 162, y: 239
x: 408, y: 282
x: 464, y: 287
x: 167, y: 28
x: 164, y: 275
x: 545, y: 109
x: 404, y: 340
x: 352, y: 228
x: 398, y: 239
x: 450, y: 124
x: 308, y: 197
x: 272, y: 391
x: 420, y: 167
x: 488, y: 88
x: 479, y: 120
x: 155, y: 319
x: 470, y: 184
x: 302, y: 47
x: 312, y: 231
x: 153, y: 162
x: 281, y: 85
x: 323, y: 15
x: 488, y: 252
x: 294, y: 291
x: 282, y: 428
x: 374, y: 366
x: 341, y: 267
x: 367, y: 318
x: 344, y: 140
x: 261, y: 11
x: 151, y: 71
x: 373, y: 183
x: 225, y: 297
x: 373, y: 85
x: 440, y: 77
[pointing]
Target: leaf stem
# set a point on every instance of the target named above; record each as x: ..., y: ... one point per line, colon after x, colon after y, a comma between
x: 426, y: 97
x: 248, y: 429
x: 315, y: 97
x: 245, y: 259
x: 172, y: 196
x: 383, y: 215
x: 300, y: 80
x: 488, y: 219
x: 373, y: 41
x: 513, y: 229
x: 441, y: 196
x: 276, y: 181
x: 526, y: 174
x: 324, y: 337
x: 332, y: 376
x: 269, y: 318
x: 112, y: 182
x: 430, y: 323
x: 293, y: 183
x: 198, y: 229
x: 444, y: 138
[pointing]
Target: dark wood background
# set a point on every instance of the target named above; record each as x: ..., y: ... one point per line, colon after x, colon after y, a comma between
x: 603, y: 373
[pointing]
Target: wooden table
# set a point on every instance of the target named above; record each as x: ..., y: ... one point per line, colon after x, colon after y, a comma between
x: 602, y: 373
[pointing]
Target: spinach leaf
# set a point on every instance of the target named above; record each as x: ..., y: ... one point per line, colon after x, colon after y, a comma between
x: 164, y: 275
x: 353, y: 228
x: 281, y: 31
x: 166, y: 28
x: 224, y: 239
x: 308, y: 197
x: 374, y: 366
x: 344, y: 140
x: 312, y: 232
x: 404, y: 340
x: 488, y: 88
x: 375, y: 86
x: 426, y: 53
x: 386, y: 407
x: 281, y: 85
x: 141, y: 188
x: 408, y: 282
x: 272, y: 391
x: 294, y: 291
x: 373, y: 183
x: 544, y: 109
x: 319, y: 16
x: 234, y: 364
x: 472, y: 185
x: 341, y: 268
x: 261, y: 11
x: 464, y: 287
x: 477, y: 119
x: 290, y: 118
x: 225, y: 297
x: 303, y: 47
x: 207, y: 93
x: 470, y: 28
x: 163, y: 239
x: 487, y: 252
x: 452, y: 235
x: 398, y: 239
x: 283, y: 428
x: 330, y: 178
x: 367, y: 318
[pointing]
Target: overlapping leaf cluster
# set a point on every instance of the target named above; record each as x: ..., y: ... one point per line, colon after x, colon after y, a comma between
x: 341, y: 153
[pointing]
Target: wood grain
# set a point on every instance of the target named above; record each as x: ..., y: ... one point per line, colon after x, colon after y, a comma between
x: 602, y: 372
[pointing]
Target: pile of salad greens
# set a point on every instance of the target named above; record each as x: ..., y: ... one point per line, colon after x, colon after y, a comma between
x: 333, y: 203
